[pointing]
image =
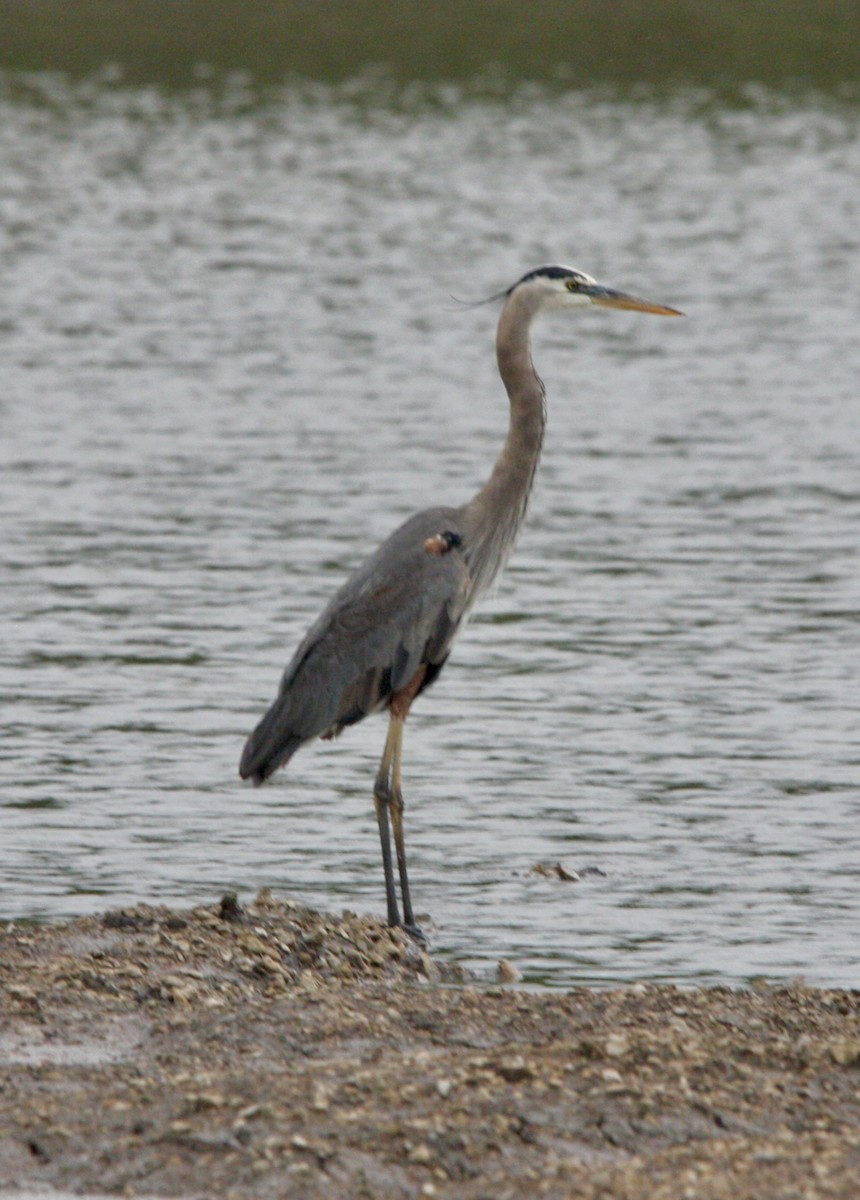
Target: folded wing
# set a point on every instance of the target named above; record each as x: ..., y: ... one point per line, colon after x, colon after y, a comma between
x: 398, y: 613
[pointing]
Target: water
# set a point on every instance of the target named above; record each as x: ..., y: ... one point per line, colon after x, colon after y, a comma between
x: 232, y: 364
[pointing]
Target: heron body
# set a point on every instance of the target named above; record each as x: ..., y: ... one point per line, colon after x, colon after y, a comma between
x: 387, y: 633
x: 398, y: 612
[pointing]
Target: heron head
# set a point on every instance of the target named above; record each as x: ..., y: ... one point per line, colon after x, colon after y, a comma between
x: 565, y: 287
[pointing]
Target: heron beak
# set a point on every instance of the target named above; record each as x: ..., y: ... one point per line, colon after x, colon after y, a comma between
x: 612, y: 299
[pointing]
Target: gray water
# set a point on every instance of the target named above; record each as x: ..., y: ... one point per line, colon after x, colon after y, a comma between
x: 231, y: 363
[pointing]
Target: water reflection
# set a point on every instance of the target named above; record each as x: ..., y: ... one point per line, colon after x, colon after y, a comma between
x: 232, y: 364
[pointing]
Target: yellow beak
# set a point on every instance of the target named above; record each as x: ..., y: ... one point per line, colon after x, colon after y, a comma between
x: 609, y: 298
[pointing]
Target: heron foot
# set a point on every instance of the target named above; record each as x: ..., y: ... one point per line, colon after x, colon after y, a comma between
x: 416, y: 933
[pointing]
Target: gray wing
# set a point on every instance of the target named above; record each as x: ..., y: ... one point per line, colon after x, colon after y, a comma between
x: 400, y: 609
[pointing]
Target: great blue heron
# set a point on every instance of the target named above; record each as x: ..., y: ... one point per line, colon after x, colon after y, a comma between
x: 387, y: 633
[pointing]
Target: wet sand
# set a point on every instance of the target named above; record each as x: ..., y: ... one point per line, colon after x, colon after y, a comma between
x: 274, y: 1051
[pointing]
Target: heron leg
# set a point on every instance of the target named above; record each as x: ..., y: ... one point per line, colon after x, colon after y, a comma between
x: 382, y: 800
x: 400, y: 704
x: 397, y: 824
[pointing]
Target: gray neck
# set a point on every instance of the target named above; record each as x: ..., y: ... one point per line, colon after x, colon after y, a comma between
x: 493, y: 518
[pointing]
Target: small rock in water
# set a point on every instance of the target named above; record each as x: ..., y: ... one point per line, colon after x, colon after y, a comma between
x: 556, y: 870
x: 506, y: 972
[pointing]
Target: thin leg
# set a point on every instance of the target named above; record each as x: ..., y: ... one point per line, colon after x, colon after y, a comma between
x: 382, y: 801
x: 397, y: 825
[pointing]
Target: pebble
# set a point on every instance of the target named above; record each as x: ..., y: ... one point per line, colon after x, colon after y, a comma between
x: 845, y: 1052
x: 319, y: 1098
x: 429, y: 968
x: 19, y: 992
x: 617, y: 1044
x: 506, y: 972
x: 514, y: 1069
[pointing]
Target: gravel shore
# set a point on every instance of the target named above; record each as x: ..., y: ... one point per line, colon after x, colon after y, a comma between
x: 273, y: 1051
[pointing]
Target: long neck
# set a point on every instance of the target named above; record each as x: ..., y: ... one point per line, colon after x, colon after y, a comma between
x: 494, y: 516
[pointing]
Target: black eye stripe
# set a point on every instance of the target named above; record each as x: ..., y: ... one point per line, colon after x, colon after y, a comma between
x: 572, y: 278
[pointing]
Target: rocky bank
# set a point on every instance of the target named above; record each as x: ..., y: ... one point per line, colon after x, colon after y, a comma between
x: 273, y: 1051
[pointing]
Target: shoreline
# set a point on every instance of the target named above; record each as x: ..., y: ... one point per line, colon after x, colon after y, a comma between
x: 270, y: 1050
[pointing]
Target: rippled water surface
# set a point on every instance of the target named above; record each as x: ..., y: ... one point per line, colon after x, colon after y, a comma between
x: 231, y: 363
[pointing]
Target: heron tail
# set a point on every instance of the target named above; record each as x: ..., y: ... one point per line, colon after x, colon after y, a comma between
x: 270, y: 745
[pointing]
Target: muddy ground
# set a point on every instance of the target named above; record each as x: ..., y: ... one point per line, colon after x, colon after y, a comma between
x: 273, y: 1051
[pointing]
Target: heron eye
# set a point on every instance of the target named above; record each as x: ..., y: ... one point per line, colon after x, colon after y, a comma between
x: 572, y: 285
